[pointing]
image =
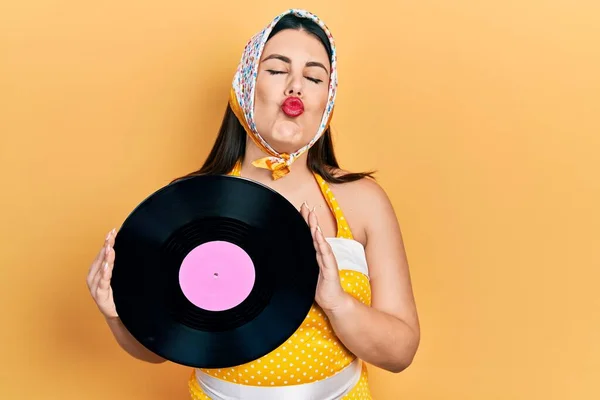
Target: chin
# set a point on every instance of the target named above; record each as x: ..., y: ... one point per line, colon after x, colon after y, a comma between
x: 286, y: 136
x: 286, y: 146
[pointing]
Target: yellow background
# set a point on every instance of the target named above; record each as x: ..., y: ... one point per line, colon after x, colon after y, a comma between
x: 482, y: 118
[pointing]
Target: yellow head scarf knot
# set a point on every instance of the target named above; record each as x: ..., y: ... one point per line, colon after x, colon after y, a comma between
x: 279, y: 165
x: 241, y: 99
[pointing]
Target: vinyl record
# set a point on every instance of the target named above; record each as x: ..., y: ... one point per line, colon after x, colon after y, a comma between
x: 214, y: 271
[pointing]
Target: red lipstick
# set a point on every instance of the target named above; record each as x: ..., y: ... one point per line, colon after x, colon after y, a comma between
x: 292, y: 107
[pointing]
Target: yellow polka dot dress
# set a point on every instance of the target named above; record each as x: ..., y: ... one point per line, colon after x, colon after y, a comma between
x: 313, y: 352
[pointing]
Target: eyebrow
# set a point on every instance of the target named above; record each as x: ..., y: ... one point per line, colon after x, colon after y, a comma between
x: 287, y: 60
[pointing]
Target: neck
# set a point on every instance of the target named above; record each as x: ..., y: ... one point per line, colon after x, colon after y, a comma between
x: 299, y: 168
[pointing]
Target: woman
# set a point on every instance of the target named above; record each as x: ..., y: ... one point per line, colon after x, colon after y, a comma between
x: 282, y: 99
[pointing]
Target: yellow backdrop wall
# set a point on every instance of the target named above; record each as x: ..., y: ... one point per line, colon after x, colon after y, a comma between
x: 482, y: 118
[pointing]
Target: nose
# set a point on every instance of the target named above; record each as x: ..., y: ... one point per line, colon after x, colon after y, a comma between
x: 294, y: 87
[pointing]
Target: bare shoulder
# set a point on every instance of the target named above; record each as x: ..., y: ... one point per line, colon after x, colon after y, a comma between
x: 365, y: 204
x: 361, y: 190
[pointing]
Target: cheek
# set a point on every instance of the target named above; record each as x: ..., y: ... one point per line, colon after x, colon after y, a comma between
x: 259, y: 91
x: 320, y: 102
x: 262, y: 103
x: 263, y: 93
x: 324, y: 98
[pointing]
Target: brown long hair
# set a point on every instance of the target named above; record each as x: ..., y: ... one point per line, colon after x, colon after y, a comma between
x: 230, y: 144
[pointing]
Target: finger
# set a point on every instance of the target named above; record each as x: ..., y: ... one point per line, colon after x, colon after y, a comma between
x: 313, y: 221
x: 325, y: 253
x: 323, y: 247
x: 107, y: 269
x: 100, y: 254
x: 96, y: 279
x: 100, y: 257
x: 93, y: 270
x: 106, y: 265
x: 304, y: 211
x: 103, y: 290
x: 112, y: 236
x: 96, y: 266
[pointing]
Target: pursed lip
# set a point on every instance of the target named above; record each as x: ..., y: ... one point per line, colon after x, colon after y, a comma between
x: 292, y: 107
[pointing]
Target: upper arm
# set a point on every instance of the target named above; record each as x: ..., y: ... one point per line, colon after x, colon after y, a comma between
x: 386, y: 256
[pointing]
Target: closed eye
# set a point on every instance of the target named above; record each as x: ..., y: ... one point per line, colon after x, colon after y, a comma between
x: 275, y: 72
x: 315, y: 80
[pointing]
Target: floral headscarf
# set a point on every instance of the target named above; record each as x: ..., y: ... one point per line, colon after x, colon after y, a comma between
x: 242, y: 96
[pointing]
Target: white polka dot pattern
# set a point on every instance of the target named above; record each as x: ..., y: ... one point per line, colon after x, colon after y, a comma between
x: 313, y: 352
x: 360, y: 391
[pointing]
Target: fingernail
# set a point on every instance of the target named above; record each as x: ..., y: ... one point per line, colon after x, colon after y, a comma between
x: 304, y: 204
x: 108, y: 235
x: 313, y: 209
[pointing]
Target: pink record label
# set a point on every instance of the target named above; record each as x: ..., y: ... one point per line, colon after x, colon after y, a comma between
x: 217, y: 276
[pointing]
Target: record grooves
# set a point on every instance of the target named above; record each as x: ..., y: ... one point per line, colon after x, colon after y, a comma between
x: 214, y: 271
x: 202, y: 231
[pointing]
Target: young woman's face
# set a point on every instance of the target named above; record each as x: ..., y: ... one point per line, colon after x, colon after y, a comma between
x: 292, y: 88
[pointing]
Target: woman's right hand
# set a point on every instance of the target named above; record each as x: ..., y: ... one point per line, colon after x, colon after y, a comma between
x: 98, y: 281
x: 99, y: 275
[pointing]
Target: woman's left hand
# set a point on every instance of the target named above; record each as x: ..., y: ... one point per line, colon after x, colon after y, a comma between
x: 329, y: 295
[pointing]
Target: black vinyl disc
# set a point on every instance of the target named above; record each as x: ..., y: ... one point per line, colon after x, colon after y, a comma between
x: 214, y: 271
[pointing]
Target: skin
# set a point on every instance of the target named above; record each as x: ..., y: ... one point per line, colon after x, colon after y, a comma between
x: 302, y: 71
x: 387, y: 333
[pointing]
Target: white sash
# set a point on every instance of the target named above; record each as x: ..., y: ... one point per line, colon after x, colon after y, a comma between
x: 332, y: 388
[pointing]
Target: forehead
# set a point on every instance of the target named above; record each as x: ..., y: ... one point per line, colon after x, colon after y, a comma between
x: 296, y: 44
